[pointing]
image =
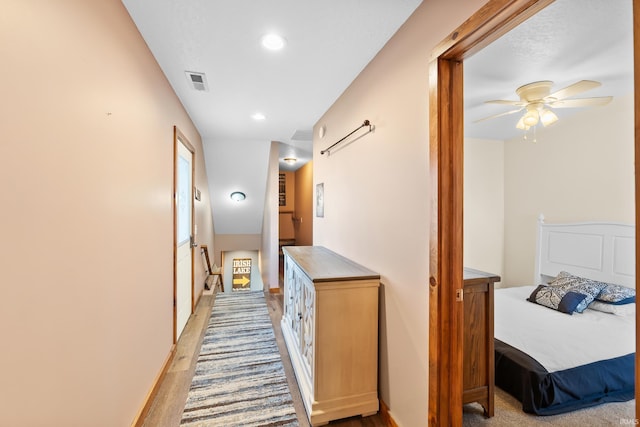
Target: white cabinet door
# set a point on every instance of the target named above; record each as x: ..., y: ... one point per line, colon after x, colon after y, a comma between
x: 308, y: 327
x: 289, y: 272
x: 298, y: 306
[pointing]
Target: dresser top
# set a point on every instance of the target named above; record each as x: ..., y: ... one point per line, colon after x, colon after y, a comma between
x: 323, y: 265
x: 470, y: 275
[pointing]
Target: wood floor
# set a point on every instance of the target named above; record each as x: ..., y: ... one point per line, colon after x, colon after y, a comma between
x: 166, y: 409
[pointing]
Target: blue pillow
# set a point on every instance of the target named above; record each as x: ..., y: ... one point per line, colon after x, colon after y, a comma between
x: 567, y: 282
x: 617, y: 294
x: 565, y: 301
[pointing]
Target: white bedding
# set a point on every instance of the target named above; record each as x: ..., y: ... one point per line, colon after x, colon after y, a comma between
x: 557, y: 340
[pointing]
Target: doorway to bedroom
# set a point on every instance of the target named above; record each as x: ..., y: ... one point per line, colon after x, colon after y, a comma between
x: 447, y: 139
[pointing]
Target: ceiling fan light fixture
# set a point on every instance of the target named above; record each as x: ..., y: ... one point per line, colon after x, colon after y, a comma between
x: 520, y: 125
x: 538, y: 101
x: 531, y: 118
x: 548, y: 117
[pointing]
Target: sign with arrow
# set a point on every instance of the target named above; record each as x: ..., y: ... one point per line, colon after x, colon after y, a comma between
x: 241, y: 274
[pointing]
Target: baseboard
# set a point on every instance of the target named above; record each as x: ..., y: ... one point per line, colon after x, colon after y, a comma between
x: 197, y: 300
x: 142, y: 414
x: 386, y: 416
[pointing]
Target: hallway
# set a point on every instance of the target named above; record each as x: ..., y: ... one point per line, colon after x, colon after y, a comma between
x: 168, y: 404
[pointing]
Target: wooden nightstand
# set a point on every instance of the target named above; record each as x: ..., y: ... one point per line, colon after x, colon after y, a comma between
x: 478, y: 370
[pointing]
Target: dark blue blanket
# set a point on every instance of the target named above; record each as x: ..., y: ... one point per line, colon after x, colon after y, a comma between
x: 550, y: 393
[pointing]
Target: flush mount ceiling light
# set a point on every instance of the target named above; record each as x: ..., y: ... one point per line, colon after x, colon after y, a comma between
x: 290, y: 160
x: 258, y: 117
x: 273, y: 41
x: 238, y: 196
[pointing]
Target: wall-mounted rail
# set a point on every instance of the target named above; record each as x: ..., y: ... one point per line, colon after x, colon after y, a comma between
x: 365, y: 124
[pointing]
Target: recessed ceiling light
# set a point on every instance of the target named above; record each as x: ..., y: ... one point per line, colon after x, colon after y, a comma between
x: 258, y: 116
x: 273, y: 42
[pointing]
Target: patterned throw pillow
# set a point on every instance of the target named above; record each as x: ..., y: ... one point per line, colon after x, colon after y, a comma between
x: 567, y: 282
x: 616, y: 294
x: 565, y: 301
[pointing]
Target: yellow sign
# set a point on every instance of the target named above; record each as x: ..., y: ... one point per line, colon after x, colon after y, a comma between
x: 241, y: 274
x: 243, y: 281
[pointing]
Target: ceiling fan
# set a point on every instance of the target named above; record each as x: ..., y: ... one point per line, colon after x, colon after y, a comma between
x: 536, y: 100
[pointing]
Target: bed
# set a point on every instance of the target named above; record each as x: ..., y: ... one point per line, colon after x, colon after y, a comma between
x: 555, y: 359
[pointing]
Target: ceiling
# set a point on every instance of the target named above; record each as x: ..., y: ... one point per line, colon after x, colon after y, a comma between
x: 327, y: 45
x: 568, y: 41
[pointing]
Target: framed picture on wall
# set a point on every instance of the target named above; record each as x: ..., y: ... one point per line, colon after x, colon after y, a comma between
x: 320, y: 200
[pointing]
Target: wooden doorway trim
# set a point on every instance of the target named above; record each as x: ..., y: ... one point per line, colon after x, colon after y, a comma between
x: 446, y: 140
x: 636, y: 135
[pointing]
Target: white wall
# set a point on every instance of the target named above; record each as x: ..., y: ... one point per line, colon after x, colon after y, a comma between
x: 86, y: 254
x: 269, y: 253
x: 233, y: 242
x: 581, y: 168
x: 377, y: 195
x: 484, y: 205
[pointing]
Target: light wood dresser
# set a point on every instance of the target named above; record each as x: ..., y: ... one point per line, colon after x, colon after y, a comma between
x: 330, y: 327
x: 478, y: 359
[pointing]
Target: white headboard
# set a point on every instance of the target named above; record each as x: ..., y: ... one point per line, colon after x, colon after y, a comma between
x: 603, y: 251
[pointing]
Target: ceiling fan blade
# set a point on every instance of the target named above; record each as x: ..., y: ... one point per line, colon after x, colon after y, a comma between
x: 506, y: 102
x: 495, y: 116
x: 574, y: 89
x: 581, y: 102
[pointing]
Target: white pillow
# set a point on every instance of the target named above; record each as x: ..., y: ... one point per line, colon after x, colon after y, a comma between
x: 619, y: 310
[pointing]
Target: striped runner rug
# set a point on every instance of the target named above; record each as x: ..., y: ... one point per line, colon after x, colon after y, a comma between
x: 239, y: 378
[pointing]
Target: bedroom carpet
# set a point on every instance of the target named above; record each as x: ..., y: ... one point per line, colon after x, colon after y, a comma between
x: 239, y: 376
x: 508, y: 413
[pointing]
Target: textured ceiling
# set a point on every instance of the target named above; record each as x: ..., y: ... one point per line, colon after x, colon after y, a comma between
x: 568, y: 41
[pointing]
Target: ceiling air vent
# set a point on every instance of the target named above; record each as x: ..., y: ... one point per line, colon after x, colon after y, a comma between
x: 197, y: 80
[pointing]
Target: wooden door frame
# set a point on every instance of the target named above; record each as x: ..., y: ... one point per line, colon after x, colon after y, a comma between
x: 179, y: 138
x: 446, y: 141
